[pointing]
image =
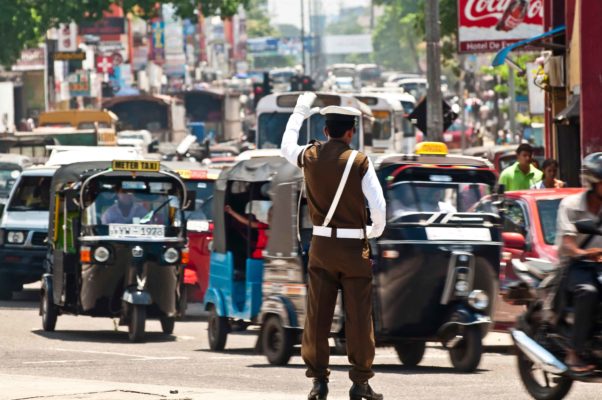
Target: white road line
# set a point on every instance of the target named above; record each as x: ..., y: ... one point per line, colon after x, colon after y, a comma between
x: 111, y: 353
x: 55, y: 361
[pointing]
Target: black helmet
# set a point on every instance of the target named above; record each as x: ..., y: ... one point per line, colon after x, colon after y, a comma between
x: 591, y: 170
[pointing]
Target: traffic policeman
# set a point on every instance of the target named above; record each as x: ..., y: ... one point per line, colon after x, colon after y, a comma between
x: 338, y: 181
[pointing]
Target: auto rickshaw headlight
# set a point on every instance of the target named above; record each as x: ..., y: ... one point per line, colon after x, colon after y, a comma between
x: 461, y: 287
x: 101, y: 254
x: 478, y: 300
x: 171, y: 255
x: 15, y: 237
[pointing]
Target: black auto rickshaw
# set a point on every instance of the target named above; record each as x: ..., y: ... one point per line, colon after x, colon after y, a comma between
x: 106, y: 261
x: 435, y: 267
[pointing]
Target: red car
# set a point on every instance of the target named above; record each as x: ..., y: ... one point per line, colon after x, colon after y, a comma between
x: 529, y: 232
x: 199, y: 225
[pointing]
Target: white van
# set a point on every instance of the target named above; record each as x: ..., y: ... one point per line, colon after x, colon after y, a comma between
x: 24, y: 230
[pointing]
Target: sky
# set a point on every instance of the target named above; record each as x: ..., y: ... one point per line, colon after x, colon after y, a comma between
x: 288, y: 11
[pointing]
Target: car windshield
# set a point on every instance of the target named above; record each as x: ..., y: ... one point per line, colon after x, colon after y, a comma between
x: 271, y: 129
x: 405, y: 197
x: 32, y: 194
x: 133, y: 202
x: 8, y: 178
x: 381, y: 128
x: 548, y: 211
x: 203, y: 208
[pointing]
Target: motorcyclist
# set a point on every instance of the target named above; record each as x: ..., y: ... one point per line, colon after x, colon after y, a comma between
x: 578, y: 252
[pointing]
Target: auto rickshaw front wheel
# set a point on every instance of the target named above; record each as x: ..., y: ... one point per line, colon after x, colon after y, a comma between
x: 278, y: 341
x: 466, y: 354
x: 167, y: 324
x: 49, y: 312
x: 137, y: 323
x: 410, y: 353
x: 217, y: 330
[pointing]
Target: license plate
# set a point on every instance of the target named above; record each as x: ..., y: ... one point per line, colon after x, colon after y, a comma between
x: 451, y: 233
x: 131, y: 230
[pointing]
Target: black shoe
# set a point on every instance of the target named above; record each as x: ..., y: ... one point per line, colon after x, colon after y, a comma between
x: 320, y: 390
x: 361, y: 391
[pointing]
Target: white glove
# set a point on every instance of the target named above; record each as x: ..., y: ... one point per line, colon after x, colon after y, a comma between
x: 304, y: 103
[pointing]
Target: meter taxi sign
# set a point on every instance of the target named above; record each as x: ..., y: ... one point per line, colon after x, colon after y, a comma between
x: 136, y: 165
x: 431, y: 148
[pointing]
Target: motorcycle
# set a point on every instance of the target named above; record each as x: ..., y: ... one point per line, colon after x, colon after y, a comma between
x: 542, y: 334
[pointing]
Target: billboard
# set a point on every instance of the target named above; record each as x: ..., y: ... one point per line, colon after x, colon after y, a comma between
x: 490, y: 25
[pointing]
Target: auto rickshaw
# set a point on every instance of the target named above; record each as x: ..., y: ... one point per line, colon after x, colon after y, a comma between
x: 106, y: 262
x: 241, y: 218
x: 435, y: 266
x: 283, y: 310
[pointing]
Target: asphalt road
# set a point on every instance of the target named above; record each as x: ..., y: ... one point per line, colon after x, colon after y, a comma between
x: 88, y: 358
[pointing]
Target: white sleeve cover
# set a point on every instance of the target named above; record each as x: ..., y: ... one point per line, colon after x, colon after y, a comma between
x: 376, y: 202
x: 289, y: 147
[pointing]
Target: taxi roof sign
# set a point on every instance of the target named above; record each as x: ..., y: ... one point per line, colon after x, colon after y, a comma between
x: 136, y: 165
x: 431, y: 148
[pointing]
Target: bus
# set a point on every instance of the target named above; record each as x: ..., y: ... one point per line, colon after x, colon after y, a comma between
x: 391, y: 130
x: 274, y: 110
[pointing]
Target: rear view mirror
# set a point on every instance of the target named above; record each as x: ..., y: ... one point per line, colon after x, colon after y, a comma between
x: 513, y: 240
x: 588, y: 226
x: 153, y: 146
x: 190, y: 201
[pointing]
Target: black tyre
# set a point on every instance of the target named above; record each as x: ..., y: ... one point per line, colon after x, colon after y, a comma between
x: 217, y: 330
x: 277, y: 341
x: 167, y: 324
x: 6, y: 288
x: 137, y: 323
x: 410, y: 354
x: 340, y: 346
x: 541, y: 385
x: 466, y: 355
x: 49, y: 312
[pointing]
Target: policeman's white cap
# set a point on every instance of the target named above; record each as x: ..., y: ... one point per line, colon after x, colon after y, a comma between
x: 338, y: 110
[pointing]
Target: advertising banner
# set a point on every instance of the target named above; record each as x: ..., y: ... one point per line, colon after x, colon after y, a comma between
x: 158, y: 42
x: 67, y: 37
x: 105, y: 26
x: 79, y: 83
x: 490, y: 25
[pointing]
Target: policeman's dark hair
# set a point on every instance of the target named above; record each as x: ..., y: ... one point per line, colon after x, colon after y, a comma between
x: 549, y: 162
x: 336, y: 129
x: 524, y: 147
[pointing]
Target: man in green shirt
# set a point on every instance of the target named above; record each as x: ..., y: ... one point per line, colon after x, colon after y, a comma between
x: 522, y: 174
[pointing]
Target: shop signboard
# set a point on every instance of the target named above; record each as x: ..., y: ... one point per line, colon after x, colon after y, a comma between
x: 31, y: 60
x: 79, y: 83
x: 105, y: 26
x: 158, y: 42
x: 489, y: 25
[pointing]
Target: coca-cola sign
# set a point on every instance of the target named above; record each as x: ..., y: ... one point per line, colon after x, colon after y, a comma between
x: 489, y: 25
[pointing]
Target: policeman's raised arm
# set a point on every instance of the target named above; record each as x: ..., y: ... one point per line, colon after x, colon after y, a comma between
x: 376, y: 201
x: 289, y: 147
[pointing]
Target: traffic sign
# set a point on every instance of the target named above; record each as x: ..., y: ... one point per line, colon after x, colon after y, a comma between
x: 104, y: 64
x: 418, y: 116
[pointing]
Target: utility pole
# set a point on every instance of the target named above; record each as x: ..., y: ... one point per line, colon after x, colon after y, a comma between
x: 512, y: 103
x: 434, y: 107
x: 303, y: 36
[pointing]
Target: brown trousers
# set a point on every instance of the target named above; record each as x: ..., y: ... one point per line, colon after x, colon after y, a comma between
x: 335, y: 263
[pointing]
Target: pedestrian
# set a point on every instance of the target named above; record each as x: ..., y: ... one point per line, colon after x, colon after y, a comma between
x: 549, y: 180
x: 337, y: 180
x: 522, y: 174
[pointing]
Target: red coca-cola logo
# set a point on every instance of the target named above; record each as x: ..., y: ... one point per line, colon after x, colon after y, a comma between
x: 486, y: 13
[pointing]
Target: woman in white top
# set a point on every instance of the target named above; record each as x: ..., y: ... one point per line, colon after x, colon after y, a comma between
x: 549, y: 181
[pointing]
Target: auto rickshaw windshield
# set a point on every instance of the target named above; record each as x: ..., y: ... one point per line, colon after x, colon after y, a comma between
x: 133, y: 202
x: 404, y: 197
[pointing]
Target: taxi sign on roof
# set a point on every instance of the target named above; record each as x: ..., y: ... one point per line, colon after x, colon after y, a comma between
x: 136, y: 165
x: 431, y: 148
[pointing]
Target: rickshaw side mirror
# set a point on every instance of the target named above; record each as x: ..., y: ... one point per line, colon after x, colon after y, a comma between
x: 190, y: 201
x: 588, y: 227
x: 513, y: 240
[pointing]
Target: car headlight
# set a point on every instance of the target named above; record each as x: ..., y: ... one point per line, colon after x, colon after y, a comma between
x: 15, y: 237
x: 171, y: 255
x: 478, y: 300
x: 101, y: 254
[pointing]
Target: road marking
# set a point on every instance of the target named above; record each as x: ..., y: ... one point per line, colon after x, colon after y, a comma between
x: 55, y: 361
x: 111, y: 353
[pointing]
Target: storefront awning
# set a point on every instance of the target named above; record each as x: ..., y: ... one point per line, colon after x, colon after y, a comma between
x: 570, y: 113
x: 501, y: 56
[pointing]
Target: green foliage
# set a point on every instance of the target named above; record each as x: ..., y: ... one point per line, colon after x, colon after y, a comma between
x: 273, y: 61
x: 258, y: 22
x: 503, y: 73
x: 24, y: 23
x: 288, y: 30
x: 349, y: 23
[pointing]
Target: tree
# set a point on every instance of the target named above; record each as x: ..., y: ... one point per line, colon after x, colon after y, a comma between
x: 288, y: 30
x: 349, y: 22
x: 258, y: 23
x: 24, y: 23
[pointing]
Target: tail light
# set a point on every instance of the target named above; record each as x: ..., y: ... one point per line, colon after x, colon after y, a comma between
x: 185, y: 256
x: 85, y: 255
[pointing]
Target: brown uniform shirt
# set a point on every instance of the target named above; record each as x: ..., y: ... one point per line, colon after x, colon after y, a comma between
x: 324, y: 166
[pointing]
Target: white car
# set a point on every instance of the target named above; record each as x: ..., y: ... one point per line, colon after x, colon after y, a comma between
x: 63, y: 155
x: 141, y: 138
